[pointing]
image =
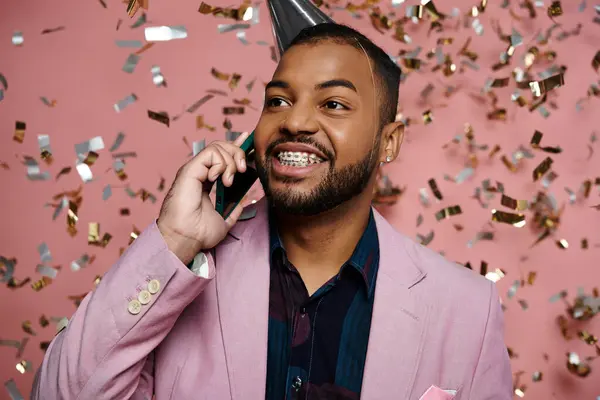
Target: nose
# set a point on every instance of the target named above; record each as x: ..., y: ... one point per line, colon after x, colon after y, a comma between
x: 300, y: 120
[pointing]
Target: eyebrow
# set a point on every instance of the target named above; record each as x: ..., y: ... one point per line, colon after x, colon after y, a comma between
x: 320, y: 86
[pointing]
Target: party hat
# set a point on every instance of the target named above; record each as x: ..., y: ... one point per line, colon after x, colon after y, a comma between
x: 289, y: 17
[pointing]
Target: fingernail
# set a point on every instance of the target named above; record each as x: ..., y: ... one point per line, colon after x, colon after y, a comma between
x: 243, y: 163
x: 230, y: 179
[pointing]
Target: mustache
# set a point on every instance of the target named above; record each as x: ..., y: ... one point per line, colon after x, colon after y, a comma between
x: 303, y: 140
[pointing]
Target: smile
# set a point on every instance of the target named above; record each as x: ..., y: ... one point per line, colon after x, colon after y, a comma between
x: 298, y: 159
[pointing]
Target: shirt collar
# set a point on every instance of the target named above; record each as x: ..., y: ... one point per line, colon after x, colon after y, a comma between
x: 364, y: 259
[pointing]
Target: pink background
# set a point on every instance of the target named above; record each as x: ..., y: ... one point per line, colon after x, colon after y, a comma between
x: 80, y: 67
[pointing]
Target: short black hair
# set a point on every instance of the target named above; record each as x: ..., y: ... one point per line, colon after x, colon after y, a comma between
x: 387, y: 72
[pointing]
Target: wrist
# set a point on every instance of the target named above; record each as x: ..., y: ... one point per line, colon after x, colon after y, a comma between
x: 183, y: 247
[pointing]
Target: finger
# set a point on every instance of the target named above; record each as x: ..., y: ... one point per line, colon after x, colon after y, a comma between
x: 230, y: 165
x: 216, y: 163
x: 240, y: 139
x: 234, y: 216
x: 238, y: 155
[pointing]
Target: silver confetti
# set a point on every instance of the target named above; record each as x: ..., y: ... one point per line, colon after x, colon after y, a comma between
x: 118, y: 165
x: 84, y: 171
x: 44, y: 253
x: 95, y: 144
x: 13, y: 391
x: 477, y: 26
x: 136, y: 44
x: 241, y: 35
x: 419, y: 220
x: 131, y: 63
x: 46, y: 101
x: 8, y: 269
x: 424, y: 197
x: 118, y: 141
x: 34, y: 172
x: 125, y: 102
x: 250, y: 85
x: 63, y: 323
x: 140, y: 21
x: 512, y: 290
x: 17, y: 38
x: 44, y: 143
x: 80, y: 263
x: 198, y: 146
x: 106, y: 192
x: 64, y: 203
x: 224, y: 28
x: 425, y: 240
x: 46, y: 270
x: 164, y: 33
x: 480, y: 236
x: 157, y: 76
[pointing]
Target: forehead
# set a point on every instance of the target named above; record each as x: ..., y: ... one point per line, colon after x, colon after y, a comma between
x: 310, y: 64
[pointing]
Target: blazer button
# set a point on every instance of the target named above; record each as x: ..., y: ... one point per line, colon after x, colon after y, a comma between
x: 144, y: 297
x: 154, y: 286
x: 134, y: 307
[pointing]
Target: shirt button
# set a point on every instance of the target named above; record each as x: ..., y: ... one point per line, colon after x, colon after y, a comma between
x: 144, y: 297
x: 297, y: 383
x: 134, y: 307
x: 154, y: 286
x: 303, y: 310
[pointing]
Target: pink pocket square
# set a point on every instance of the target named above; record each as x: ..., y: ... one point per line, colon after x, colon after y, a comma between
x: 435, y: 393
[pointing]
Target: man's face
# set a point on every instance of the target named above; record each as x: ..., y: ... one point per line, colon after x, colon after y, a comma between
x: 316, y: 138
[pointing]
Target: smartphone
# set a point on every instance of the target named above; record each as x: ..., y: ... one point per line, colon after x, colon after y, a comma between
x: 227, y: 198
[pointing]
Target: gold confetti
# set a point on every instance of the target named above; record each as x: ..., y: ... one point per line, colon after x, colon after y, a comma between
x: 555, y: 9
x: 243, y: 13
x: 542, y: 168
x: 26, y: 325
x: 233, y: 110
x: 596, y: 61
x: 427, y: 117
x: 518, y: 205
x: 516, y: 220
x: 577, y: 366
x: 584, y: 244
x: 219, y: 75
x: 385, y: 193
x: 40, y: 284
x: 24, y: 366
x: 19, y: 135
x: 448, y: 212
x: 539, y: 88
x: 562, y: 244
x: 535, y: 143
x: 161, y: 117
x: 434, y: 188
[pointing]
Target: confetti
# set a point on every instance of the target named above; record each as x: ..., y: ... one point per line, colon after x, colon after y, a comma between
x: 535, y: 143
x: 45, y: 150
x: 516, y: 220
x: 577, y: 366
x: 52, y: 30
x: 81, y: 262
x: 243, y: 13
x: 157, y: 77
x: 34, y: 172
x: 542, y: 168
x: 17, y: 38
x: 117, y: 143
x: 136, y: 44
x: 539, y: 88
x: 131, y: 63
x: 161, y: 117
x: 13, y: 391
x: 19, y: 135
x: 164, y: 33
x: 448, y: 212
x: 120, y: 106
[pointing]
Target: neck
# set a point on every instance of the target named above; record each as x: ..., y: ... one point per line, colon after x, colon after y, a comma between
x: 326, y: 241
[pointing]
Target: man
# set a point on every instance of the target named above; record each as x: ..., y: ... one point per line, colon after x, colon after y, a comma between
x: 317, y: 297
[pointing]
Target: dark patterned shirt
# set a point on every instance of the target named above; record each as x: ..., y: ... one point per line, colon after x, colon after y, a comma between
x: 317, y: 344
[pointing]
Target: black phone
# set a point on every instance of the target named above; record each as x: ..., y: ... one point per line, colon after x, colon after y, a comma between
x: 227, y: 198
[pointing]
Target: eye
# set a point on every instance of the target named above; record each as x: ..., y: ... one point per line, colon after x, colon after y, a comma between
x: 276, y: 102
x: 335, y: 105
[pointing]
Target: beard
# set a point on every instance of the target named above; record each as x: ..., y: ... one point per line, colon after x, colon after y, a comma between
x: 335, y: 188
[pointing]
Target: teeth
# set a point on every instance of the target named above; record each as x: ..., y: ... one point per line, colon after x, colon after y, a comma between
x: 298, y: 159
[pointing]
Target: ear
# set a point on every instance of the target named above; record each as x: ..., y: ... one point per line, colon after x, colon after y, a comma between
x: 392, y: 136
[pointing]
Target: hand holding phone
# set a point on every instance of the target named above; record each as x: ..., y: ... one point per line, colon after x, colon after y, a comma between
x: 228, y: 197
x: 188, y: 220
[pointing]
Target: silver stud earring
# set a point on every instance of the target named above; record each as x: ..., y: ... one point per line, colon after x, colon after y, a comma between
x: 388, y: 159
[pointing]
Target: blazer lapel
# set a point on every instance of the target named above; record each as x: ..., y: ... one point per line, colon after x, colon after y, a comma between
x: 242, y: 280
x: 399, y: 320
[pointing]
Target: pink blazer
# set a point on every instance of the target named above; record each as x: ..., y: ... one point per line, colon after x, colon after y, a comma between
x: 434, y: 323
